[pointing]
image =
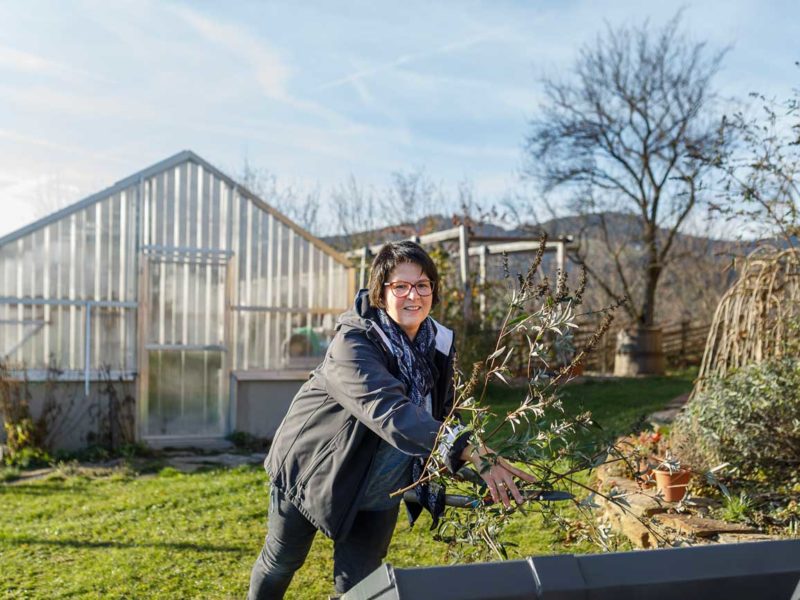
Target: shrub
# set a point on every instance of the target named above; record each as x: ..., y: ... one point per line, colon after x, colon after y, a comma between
x: 169, y: 472
x: 247, y: 442
x: 8, y: 474
x: 28, y: 457
x: 749, y: 419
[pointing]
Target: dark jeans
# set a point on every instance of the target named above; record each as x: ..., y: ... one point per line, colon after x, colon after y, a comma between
x: 289, y: 537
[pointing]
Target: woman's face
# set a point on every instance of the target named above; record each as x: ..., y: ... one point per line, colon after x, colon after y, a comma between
x: 408, y: 312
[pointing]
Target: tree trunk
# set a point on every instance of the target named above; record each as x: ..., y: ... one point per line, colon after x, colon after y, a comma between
x: 652, y: 275
x: 640, y: 347
x: 639, y: 352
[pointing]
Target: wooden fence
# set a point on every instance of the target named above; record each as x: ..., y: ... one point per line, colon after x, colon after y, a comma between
x: 684, y: 343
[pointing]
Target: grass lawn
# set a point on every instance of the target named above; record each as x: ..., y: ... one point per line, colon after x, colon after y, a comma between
x: 171, y: 535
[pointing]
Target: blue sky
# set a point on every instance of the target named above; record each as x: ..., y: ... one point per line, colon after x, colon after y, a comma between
x: 92, y: 91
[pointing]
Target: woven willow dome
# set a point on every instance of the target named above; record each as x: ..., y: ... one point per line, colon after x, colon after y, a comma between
x: 758, y: 317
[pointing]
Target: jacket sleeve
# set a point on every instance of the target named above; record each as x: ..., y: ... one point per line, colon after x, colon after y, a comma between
x: 358, y: 379
x: 456, y: 439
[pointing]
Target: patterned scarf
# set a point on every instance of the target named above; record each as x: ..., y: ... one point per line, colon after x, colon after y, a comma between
x: 416, y: 374
x: 415, y: 368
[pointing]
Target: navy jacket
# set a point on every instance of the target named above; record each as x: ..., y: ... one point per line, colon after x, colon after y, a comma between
x: 321, y: 454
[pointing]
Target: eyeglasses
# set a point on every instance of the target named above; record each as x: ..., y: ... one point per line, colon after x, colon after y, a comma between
x: 401, y: 289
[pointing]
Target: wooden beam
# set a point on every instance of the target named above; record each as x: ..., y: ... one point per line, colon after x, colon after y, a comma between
x: 518, y: 246
x: 463, y: 245
x: 482, y: 278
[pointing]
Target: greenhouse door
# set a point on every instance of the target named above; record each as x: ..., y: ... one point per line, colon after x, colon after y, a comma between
x: 185, y: 395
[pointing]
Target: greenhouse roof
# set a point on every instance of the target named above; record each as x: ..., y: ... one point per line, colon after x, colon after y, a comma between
x: 164, y: 165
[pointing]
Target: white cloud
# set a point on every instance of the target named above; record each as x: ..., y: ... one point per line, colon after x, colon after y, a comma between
x: 57, y: 100
x: 27, y: 62
x: 412, y: 57
x: 65, y: 149
x: 272, y: 72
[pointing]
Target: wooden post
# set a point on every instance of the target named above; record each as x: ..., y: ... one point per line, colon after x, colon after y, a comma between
x: 561, y: 261
x: 362, y: 269
x: 682, y: 358
x: 463, y: 255
x: 231, y: 341
x: 143, y: 319
x: 482, y: 280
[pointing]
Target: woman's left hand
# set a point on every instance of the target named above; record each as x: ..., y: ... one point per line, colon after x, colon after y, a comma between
x: 499, y: 477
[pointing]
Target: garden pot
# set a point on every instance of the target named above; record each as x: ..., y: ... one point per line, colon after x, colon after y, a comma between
x: 672, y: 485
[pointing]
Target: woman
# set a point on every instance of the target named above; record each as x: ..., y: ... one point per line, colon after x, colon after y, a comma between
x: 353, y: 430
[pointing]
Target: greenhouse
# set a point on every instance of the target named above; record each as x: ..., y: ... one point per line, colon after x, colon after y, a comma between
x: 178, y: 283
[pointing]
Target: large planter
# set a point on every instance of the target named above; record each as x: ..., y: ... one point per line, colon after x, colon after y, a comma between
x: 672, y: 485
x: 639, y: 352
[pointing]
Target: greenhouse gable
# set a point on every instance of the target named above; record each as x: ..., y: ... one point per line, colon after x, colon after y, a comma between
x: 179, y: 285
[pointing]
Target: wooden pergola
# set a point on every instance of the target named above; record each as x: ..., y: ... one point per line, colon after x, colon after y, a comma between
x: 469, y: 245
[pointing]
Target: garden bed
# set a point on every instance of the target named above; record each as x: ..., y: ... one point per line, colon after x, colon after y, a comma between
x: 649, y: 521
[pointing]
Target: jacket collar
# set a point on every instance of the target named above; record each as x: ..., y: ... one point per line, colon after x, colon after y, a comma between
x: 363, y: 316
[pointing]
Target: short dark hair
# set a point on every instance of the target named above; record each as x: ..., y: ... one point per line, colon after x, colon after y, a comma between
x: 393, y: 254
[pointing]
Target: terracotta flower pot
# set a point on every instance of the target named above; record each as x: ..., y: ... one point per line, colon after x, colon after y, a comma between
x: 672, y: 485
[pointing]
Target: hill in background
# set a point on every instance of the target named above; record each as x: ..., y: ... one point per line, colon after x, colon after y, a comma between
x: 690, y: 286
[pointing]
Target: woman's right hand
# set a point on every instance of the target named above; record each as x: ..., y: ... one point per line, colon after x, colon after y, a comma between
x: 499, y: 477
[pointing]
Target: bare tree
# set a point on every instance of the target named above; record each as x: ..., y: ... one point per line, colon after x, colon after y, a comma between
x: 301, y: 207
x: 761, y: 183
x: 411, y: 199
x: 51, y: 194
x: 626, y: 136
x: 357, y: 212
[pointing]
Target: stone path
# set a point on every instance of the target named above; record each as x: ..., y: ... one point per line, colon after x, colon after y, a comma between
x: 670, y: 411
x: 188, y: 462
x: 184, y: 461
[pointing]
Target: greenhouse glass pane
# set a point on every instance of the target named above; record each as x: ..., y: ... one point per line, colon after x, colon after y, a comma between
x: 186, y: 303
x: 5, y: 288
x: 186, y: 393
x: 284, y: 240
x: 111, y: 328
x: 204, y: 210
x: 170, y: 201
x: 305, y: 341
x: 54, y: 258
x: 27, y: 268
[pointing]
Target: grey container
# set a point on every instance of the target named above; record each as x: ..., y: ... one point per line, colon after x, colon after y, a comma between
x: 763, y: 570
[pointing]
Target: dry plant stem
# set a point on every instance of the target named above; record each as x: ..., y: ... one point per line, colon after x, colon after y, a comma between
x: 425, y: 477
x: 603, y: 328
x: 644, y: 523
x: 534, y: 321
